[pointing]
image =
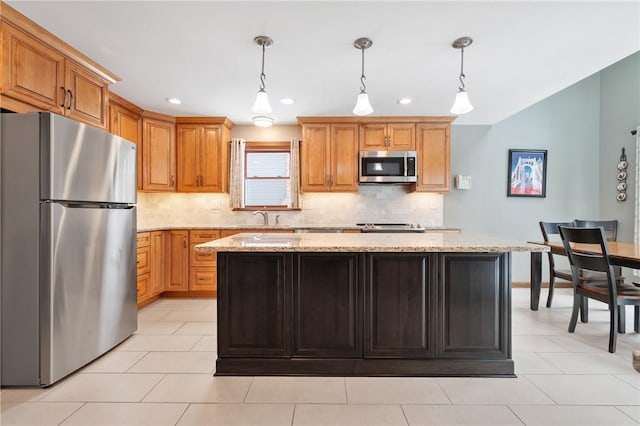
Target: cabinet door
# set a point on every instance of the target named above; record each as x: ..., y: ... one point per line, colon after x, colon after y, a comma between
x: 400, y: 306
x: 202, y: 279
x: 373, y: 137
x: 158, y: 155
x: 202, y: 265
x: 143, y: 287
x: 156, y: 259
x: 475, y: 303
x: 344, y: 158
x: 254, y: 305
x: 401, y: 136
x: 188, y: 157
x: 88, y: 94
x: 177, y: 264
x: 127, y: 124
x: 315, y: 158
x: 31, y: 71
x: 434, y: 158
x: 327, y: 305
x: 212, y: 159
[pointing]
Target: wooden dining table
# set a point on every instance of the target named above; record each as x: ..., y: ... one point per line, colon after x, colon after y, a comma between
x: 626, y: 255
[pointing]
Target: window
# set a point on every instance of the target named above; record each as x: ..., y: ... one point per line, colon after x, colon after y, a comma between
x: 266, y: 176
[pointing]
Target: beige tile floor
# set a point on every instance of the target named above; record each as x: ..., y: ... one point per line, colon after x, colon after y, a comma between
x: 163, y: 376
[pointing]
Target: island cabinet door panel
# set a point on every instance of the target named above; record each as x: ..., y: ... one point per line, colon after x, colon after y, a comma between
x: 475, y: 306
x: 254, y: 299
x: 399, y: 306
x: 327, y: 305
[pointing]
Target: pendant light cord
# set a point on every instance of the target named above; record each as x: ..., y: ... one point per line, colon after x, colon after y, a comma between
x: 363, y: 88
x: 462, y: 76
x: 262, y: 76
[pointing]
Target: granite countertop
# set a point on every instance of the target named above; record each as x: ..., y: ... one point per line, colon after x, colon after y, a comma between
x: 328, y: 228
x: 373, y: 242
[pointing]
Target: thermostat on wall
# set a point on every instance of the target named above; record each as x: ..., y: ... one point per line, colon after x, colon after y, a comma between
x: 463, y: 182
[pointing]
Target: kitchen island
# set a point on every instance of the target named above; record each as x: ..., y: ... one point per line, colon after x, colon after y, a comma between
x: 434, y: 304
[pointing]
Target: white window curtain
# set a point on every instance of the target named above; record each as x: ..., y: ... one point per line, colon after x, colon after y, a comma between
x: 294, y: 174
x: 236, y: 173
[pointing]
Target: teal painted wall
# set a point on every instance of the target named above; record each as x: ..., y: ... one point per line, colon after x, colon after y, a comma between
x: 619, y: 114
x: 567, y: 125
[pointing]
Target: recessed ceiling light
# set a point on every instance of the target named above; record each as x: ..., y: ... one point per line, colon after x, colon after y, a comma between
x: 174, y: 101
x: 404, y: 101
x: 287, y: 101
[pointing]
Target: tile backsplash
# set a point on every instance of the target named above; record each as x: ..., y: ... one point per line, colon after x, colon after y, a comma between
x: 371, y: 204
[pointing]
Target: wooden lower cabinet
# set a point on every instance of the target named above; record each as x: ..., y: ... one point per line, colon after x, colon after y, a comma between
x: 143, y: 265
x: 177, y: 265
x: 202, y: 265
x: 327, y: 291
x: 254, y: 309
x: 157, y: 263
x: 400, y: 306
x: 350, y: 314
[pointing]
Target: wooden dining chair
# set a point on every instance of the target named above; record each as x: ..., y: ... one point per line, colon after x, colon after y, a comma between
x: 550, y: 232
x: 610, y: 228
x: 615, y: 294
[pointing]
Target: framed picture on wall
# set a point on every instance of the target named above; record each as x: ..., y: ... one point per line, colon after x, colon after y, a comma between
x: 527, y: 173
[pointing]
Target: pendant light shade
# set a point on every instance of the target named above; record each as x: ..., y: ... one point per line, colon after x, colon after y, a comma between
x: 363, y: 106
x: 261, y: 105
x: 462, y: 105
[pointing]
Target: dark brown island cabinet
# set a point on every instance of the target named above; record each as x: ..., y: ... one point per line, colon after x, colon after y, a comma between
x: 289, y: 307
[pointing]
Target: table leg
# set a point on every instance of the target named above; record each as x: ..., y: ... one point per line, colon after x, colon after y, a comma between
x: 536, y: 279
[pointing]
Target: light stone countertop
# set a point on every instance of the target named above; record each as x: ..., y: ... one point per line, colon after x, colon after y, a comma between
x: 369, y: 242
x: 279, y: 227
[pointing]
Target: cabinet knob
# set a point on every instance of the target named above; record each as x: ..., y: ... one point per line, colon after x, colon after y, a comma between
x: 184, y: 241
x: 173, y: 180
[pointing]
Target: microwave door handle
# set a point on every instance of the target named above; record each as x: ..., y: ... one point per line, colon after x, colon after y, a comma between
x: 405, y: 165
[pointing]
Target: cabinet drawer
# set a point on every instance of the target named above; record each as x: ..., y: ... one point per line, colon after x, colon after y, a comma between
x: 142, y: 260
x: 206, y: 259
x: 202, y: 279
x: 144, y: 239
x: 143, y: 286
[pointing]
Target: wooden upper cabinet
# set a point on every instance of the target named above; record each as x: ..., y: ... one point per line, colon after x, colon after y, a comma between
x: 434, y: 157
x: 329, y: 158
x: 32, y: 71
x: 158, y: 153
x: 387, y: 137
x: 202, y: 152
x: 125, y: 120
x: 344, y: 157
x: 87, y: 95
x: 40, y: 70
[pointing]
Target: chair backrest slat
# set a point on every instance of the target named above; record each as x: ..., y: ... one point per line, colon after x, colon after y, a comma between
x: 586, y: 235
x: 610, y: 227
x: 551, y: 228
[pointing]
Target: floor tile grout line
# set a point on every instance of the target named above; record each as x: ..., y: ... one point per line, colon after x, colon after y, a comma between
x: 69, y: 416
x: 183, y: 413
x: 508, y: 406
x: 163, y: 376
x: 404, y: 413
x: 246, y: 394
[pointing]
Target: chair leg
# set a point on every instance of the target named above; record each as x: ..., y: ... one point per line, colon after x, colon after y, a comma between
x: 551, y: 285
x: 636, y: 318
x: 577, y: 301
x: 622, y: 327
x: 613, y: 311
x: 584, y: 310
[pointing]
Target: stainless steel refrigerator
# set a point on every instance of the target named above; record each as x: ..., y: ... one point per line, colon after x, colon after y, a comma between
x: 68, y: 253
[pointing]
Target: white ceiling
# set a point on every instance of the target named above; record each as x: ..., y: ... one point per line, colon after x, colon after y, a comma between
x: 203, y: 52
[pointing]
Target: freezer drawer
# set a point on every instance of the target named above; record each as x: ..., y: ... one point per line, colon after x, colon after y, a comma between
x: 88, y: 284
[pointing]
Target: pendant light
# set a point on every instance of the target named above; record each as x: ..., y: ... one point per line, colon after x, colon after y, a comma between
x: 261, y: 105
x: 363, y: 107
x: 462, y: 104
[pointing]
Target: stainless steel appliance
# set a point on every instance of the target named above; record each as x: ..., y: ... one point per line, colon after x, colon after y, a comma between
x: 390, y: 227
x: 388, y: 166
x: 68, y: 246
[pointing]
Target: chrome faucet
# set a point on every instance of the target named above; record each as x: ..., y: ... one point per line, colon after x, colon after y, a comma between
x: 265, y: 216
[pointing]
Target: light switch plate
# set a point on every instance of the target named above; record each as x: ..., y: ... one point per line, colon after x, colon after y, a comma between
x: 463, y: 182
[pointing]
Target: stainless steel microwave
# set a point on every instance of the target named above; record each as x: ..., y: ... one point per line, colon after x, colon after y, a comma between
x: 388, y: 166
